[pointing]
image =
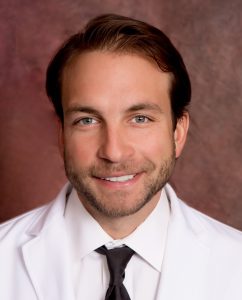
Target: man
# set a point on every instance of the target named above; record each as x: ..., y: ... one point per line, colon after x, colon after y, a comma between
x: 121, y: 91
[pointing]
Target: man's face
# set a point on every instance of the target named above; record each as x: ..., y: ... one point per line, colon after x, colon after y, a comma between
x: 118, y: 140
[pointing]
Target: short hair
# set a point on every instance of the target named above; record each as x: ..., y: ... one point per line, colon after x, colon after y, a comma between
x: 115, y: 33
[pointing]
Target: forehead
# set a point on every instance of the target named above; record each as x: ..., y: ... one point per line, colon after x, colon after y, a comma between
x: 107, y: 77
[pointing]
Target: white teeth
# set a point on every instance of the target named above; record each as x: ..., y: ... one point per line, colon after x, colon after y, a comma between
x: 120, y: 178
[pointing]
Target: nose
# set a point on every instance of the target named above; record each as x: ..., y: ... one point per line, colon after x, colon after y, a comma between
x: 115, y: 145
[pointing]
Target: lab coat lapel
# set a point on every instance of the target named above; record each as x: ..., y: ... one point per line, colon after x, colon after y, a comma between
x: 46, y: 255
x: 47, y: 260
x: 184, y: 268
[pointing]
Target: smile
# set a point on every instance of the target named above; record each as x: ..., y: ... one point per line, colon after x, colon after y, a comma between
x: 119, y: 178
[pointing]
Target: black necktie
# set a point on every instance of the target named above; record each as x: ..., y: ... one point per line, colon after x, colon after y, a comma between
x: 117, y: 260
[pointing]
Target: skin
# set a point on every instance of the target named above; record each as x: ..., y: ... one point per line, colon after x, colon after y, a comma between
x: 117, y: 122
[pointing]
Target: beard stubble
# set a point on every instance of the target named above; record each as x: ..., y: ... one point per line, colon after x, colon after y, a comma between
x: 154, y: 182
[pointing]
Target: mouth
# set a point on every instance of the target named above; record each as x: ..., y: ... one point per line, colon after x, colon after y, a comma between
x: 118, y: 181
x: 123, y: 178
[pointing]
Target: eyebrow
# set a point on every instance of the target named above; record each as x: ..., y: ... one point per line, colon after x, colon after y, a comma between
x: 85, y: 109
x: 145, y: 106
x: 133, y: 108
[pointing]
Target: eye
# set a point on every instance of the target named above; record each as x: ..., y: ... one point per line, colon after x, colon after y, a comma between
x: 86, y: 121
x: 140, y: 119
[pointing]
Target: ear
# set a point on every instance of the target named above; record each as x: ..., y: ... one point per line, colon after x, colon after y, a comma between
x: 180, y: 133
x: 61, y: 138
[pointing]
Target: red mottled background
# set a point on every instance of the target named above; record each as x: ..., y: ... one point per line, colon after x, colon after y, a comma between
x: 209, y: 36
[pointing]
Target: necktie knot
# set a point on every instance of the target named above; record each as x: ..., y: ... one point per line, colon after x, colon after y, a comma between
x: 117, y: 260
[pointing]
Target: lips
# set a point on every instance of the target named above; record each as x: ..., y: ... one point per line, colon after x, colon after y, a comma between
x: 117, y: 181
x: 123, y: 178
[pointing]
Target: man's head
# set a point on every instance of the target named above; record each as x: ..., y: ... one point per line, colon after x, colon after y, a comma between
x: 121, y: 34
x: 121, y: 90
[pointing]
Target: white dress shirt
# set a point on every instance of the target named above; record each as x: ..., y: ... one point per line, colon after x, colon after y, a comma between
x: 90, y: 270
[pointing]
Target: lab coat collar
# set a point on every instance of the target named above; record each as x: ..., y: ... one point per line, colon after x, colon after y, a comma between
x: 46, y: 255
x: 47, y: 259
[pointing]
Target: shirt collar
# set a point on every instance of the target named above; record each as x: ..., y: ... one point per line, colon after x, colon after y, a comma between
x: 82, y: 227
x: 148, y: 240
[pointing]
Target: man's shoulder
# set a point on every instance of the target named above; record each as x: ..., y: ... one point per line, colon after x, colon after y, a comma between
x: 33, y: 219
x: 23, y: 221
x: 212, y: 225
x: 201, y: 224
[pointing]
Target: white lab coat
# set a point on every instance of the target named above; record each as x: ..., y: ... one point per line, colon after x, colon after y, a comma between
x: 203, y: 258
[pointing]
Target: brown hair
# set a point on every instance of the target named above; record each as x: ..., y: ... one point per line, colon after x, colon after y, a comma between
x: 116, y: 33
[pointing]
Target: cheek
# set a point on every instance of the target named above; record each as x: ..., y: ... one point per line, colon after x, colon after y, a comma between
x: 80, y: 150
x: 155, y: 145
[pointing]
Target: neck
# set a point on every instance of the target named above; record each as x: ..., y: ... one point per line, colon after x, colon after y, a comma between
x: 120, y: 227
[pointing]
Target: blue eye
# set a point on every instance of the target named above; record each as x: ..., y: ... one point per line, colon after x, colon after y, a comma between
x: 140, y: 119
x: 87, y: 121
